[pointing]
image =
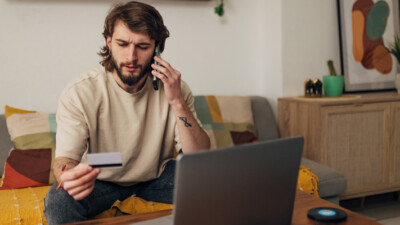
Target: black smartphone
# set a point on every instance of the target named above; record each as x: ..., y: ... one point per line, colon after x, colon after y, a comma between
x: 155, y: 79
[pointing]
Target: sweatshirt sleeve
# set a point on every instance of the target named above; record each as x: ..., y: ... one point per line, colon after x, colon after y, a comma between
x: 72, y: 129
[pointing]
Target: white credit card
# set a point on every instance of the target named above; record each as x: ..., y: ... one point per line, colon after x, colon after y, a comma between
x: 105, y: 160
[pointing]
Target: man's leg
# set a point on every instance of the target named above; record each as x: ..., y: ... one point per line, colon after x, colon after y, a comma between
x: 60, y: 207
x: 161, y: 189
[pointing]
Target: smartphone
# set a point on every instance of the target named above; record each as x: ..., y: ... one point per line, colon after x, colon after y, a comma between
x: 155, y: 79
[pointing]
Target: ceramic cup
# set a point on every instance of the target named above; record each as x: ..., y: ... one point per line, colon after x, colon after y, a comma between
x: 333, y: 85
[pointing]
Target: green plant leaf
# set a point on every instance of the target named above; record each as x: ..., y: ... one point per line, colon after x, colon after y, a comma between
x: 219, y: 10
x: 331, y: 67
x: 394, y: 48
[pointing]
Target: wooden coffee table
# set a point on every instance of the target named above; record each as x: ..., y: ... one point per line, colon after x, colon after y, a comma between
x: 302, y: 204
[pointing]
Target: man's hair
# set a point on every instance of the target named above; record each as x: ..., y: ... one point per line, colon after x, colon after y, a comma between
x: 139, y: 17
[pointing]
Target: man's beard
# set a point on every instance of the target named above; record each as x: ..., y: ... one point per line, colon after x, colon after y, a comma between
x: 131, y: 79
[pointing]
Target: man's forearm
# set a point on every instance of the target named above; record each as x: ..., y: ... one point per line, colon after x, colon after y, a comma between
x: 60, y: 162
x: 192, y: 136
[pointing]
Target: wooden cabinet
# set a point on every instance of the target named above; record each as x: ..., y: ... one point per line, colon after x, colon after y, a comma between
x: 396, y: 144
x: 359, y: 135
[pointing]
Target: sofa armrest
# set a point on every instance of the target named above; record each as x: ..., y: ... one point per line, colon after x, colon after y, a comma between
x: 5, y: 143
x: 331, y: 182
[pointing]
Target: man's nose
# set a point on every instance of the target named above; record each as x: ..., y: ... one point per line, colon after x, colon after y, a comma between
x: 132, y: 54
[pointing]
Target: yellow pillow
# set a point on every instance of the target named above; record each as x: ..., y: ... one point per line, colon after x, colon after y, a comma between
x: 307, y: 181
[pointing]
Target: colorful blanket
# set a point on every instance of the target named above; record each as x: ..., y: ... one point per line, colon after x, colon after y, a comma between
x: 228, y: 120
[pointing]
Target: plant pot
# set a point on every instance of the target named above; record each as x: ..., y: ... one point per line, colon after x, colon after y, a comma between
x: 333, y: 85
x: 397, y: 82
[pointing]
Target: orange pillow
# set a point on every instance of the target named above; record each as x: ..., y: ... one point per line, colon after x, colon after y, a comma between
x: 29, y: 161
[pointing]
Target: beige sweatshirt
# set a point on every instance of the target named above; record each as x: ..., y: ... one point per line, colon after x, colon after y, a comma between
x: 96, y: 115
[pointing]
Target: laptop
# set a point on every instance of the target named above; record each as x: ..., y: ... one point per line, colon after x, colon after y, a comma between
x: 247, y: 184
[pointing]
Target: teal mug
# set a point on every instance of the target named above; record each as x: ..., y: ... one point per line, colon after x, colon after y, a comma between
x: 333, y: 86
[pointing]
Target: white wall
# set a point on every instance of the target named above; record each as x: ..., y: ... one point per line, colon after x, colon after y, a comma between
x: 310, y: 37
x: 258, y: 48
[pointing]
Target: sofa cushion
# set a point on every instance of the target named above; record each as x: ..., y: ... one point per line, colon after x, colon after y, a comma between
x: 29, y: 161
x: 228, y: 120
x: 23, y: 206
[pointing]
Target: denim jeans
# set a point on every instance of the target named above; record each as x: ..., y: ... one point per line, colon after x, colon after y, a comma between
x: 60, y: 207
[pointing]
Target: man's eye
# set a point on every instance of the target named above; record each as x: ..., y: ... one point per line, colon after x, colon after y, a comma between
x: 122, y: 44
x: 143, y: 47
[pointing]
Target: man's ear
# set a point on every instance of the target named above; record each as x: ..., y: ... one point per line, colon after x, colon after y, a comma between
x: 108, y: 42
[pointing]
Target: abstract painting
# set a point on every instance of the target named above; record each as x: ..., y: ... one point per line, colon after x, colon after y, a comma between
x: 367, y: 27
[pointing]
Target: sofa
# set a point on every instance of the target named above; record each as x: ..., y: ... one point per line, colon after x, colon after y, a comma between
x: 330, y: 185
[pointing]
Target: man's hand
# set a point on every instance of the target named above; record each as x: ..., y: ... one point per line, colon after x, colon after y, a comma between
x: 171, y: 79
x: 193, y: 137
x: 79, y: 181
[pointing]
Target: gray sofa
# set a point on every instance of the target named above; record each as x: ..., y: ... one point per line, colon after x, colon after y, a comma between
x: 331, y: 182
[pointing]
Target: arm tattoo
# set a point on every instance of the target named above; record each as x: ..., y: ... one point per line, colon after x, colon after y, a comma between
x: 184, y: 119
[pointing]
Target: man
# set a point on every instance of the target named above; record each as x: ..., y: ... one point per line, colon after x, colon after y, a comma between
x: 114, y: 108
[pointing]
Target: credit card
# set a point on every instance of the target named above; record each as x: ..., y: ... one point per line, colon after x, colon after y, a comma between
x: 105, y: 160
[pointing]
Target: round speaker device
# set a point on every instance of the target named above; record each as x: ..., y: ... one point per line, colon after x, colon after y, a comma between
x: 326, y: 214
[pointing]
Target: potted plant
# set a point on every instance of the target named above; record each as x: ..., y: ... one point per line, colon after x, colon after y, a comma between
x: 394, y: 49
x: 333, y: 83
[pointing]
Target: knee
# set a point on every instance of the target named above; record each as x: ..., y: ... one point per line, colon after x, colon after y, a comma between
x: 54, y: 199
x: 58, y: 206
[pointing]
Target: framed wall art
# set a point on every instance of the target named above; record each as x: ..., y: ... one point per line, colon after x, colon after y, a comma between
x: 366, y: 29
